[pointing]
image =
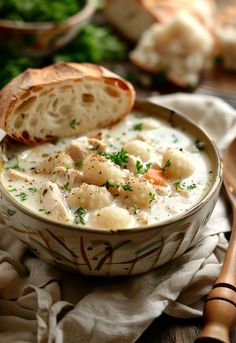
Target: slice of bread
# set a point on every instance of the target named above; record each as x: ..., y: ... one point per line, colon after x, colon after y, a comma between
x: 133, y: 17
x: 62, y: 100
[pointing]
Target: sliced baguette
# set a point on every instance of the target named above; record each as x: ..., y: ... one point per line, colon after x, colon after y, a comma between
x: 133, y: 17
x: 62, y: 100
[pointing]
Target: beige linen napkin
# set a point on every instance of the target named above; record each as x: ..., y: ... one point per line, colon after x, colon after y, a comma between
x: 39, y: 303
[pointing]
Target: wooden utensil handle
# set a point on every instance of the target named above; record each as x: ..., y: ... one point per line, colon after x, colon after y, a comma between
x: 220, y: 306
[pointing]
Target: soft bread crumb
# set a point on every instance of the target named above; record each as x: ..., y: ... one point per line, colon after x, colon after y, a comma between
x: 181, y: 47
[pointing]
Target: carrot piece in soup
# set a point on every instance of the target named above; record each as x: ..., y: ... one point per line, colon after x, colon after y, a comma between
x: 156, y: 176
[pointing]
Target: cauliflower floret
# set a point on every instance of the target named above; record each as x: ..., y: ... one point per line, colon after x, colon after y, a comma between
x: 139, y: 148
x: 112, y: 218
x: 137, y: 191
x: 98, y: 170
x: 89, y: 196
x: 177, y: 164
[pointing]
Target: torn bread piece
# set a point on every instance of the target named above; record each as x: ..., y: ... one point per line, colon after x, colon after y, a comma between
x: 133, y: 17
x: 61, y: 100
x: 181, y: 47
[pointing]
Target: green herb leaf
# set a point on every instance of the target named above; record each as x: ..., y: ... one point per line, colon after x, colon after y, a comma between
x: 108, y: 185
x: 138, y: 127
x: 167, y: 165
x: 32, y: 189
x: 142, y: 168
x: 78, y: 164
x: 22, y: 196
x: 177, y: 185
x: 136, y: 209
x: 67, y: 186
x: 182, y: 185
x: 152, y: 197
x: 11, y: 189
x: 80, y: 214
x: 119, y: 157
x: 45, y: 192
x: 127, y: 187
x: 73, y: 124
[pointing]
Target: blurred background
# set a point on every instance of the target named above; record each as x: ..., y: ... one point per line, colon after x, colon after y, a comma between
x: 155, y: 46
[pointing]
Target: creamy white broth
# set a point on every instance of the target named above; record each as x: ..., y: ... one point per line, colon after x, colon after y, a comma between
x: 177, y: 195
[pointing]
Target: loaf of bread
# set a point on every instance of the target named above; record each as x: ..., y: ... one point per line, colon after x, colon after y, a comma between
x: 181, y: 47
x: 133, y: 17
x: 62, y: 100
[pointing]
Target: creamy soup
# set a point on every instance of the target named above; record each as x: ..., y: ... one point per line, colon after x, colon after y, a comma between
x: 139, y: 172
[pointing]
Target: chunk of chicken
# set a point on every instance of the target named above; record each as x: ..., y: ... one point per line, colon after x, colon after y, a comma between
x: 16, y: 175
x: 79, y: 148
x: 63, y: 176
x: 55, y: 160
x: 52, y: 201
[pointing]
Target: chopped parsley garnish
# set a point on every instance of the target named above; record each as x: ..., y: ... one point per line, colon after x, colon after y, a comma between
x: 11, y: 189
x: 181, y: 185
x: 127, y: 187
x: 177, y: 185
x: 119, y: 157
x: 192, y: 186
x: 66, y: 187
x: 78, y: 164
x: 22, y: 196
x: 138, y: 127
x: 167, y: 165
x: 136, y: 209
x: 73, y: 124
x: 152, y: 197
x: 80, y: 214
x: 32, y: 189
x: 199, y: 145
x: 108, y: 185
x: 45, y: 192
x: 142, y: 168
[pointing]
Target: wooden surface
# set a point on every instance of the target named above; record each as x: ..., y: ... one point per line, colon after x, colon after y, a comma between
x: 172, y: 330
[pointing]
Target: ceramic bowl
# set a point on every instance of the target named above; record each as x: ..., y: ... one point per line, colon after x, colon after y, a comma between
x: 125, y: 251
x: 41, y: 39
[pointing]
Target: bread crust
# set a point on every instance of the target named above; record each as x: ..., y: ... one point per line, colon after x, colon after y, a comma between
x: 156, y: 11
x: 33, y: 81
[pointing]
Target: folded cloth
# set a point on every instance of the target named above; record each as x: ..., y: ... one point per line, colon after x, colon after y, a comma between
x: 39, y: 303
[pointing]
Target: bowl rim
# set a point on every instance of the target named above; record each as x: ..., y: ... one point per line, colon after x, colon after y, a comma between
x: 85, y: 12
x: 216, y: 183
